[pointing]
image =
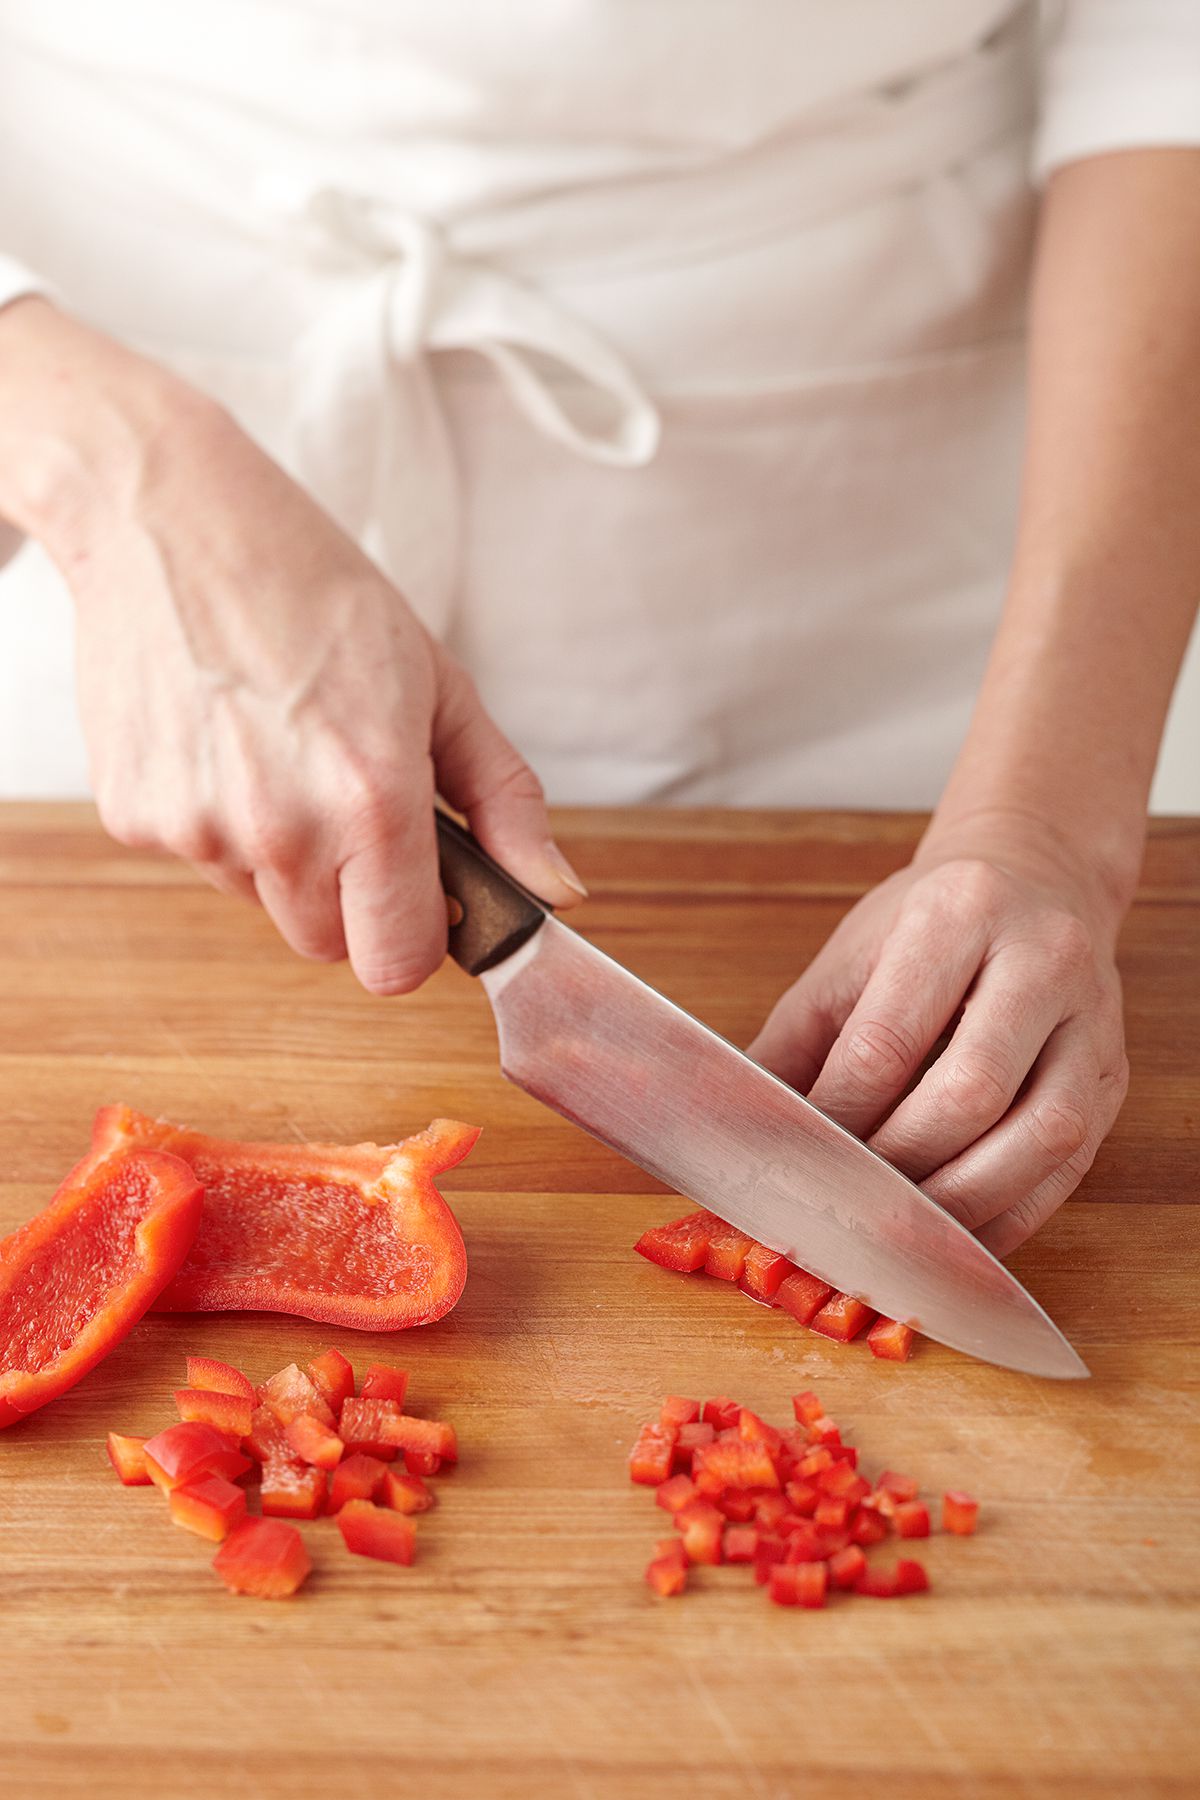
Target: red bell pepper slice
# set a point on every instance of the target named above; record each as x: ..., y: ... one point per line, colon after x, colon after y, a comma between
x: 802, y: 1295
x: 230, y: 1413
x: 721, y: 1414
x: 128, y: 1457
x: 263, y: 1557
x: 383, y: 1382
x: 183, y: 1452
x: 798, y: 1584
x: 209, y: 1505
x: 652, y: 1455
x: 764, y: 1271
x: 889, y: 1339
x: 406, y: 1493
x: 76, y: 1279
x: 682, y: 1245
x: 218, y: 1377
x: 290, y: 1393
x: 701, y: 1526
x: 960, y: 1513
x: 911, y: 1519
x: 676, y: 1410
x: 433, y: 1437
x: 356, y: 1236
x: 667, y: 1575
x: 333, y: 1378
x: 369, y: 1530
x: 292, y: 1490
x: 846, y: 1566
x: 739, y: 1543
x: 727, y: 1251
x: 312, y: 1442
x: 359, y: 1477
x: 361, y: 1426
x: 675, y: 1492
x: 842, y: 1317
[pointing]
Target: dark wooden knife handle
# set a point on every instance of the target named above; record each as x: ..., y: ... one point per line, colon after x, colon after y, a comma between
x: 498, y: 914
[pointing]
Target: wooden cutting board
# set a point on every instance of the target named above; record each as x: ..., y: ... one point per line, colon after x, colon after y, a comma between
x: 1058, y: 1654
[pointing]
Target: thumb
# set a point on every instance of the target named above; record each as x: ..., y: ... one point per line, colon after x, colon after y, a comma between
x: 481, y: 774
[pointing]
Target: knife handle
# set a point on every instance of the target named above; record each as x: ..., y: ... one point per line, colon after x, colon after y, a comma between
x: 498, y: 914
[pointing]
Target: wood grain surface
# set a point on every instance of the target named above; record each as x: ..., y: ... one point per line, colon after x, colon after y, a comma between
x: 1059, y: 1652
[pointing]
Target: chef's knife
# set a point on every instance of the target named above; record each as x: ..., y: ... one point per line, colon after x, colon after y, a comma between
x: 606, y: 1051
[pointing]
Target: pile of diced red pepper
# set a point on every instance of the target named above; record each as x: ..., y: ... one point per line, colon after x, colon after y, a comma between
x: 702, y: 1241
x: 318, y: 1448
x: 792, y: 1504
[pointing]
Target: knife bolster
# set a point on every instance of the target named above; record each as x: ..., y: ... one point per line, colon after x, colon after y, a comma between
x: 498, y: 914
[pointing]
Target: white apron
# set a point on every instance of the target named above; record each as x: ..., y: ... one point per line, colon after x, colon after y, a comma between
x: 666, y: 355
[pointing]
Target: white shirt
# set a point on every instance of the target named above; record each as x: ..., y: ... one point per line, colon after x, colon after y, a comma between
x: 666, y: 353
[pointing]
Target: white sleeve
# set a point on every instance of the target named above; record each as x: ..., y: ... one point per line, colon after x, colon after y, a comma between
x: 15, y: 280
x: 1117, y: 75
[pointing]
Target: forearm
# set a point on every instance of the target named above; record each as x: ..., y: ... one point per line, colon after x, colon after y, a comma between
x: 1106, y: 573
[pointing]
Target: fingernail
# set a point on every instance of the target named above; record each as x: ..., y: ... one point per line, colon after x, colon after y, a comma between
x: 561, y: 869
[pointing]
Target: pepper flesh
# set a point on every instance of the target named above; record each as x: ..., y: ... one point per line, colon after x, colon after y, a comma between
x: 370, y: 1530
x: 76, y: 1279
x: 263, y: 1557
x: 354, y: 1236
x: 128, y: 1457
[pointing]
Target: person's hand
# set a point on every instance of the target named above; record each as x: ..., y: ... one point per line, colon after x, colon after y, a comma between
x: 1013, y: 959
x: 256, y: 697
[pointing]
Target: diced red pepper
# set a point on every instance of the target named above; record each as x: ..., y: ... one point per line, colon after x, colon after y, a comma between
x: 798, y: 1584
x: 406, y: 1493
x: 333, y: 1377
x: 841, y: 1483
x: 891, y: 1340
x: 802, y: 1295
x: 829, y: 1511
x: 354, y: 1235
x: 358, y: 1477
x: 691, y: 1438
x: 867, y: 1527
x: 292, y: 1490
x: 737, y: 1504
x: 700, y: 1525
x: 76, y: 1279
x: 128, y: 1457
x: 754, y: 1430
x: 682, y: 1245
x: 901, y: 1487
x: 675, y: 1492
x: 844, y: 1453
x: 842, y: 1317
x: 421, y: 1462
x: 959, y: 1513
x: 230, y: 1413
x: 824, y: 1431
x: 727, y: 1251
x: 764, y: 1271
x: 911, y: 1519
x: 721, y: 1414
x: 739, y: 1543
x: 769, y: 1552
x: 769, y: 1509
x: 804, y: 1543
x: 667, y: 1575
x: 210, y: 1506
x: 807, y: 1407
x: 290, y: 1393
x: 182, y: 1452
x: 887, y: 1584
x: 383, y: 1382
x: 803, y: 1498
x: 312, y: 1442
x: 218, y: 1377
x: 911, y: 1578
x: 266, y: 1437
x: 846, y: 1566
x: 652, y: 1455
x: 433, y: 1436
x: 369, y: 1530
x: 263, y: 1557
x: 678, y: 1411
x: 362, y: 1426
x: 672, y: 1548
x: 732, y: 1462
x: 816, y: 1462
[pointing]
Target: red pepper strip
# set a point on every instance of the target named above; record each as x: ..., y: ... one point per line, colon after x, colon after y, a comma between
x: 891, y: 1340
x: 78, y: 1277
x: 432, y: 1436
x: 764, y: 1271
x: 383, y: 1382
x: 802, y: 1295
x: 128, y: 1457
x: 842, y: 1318
x: 667, y: 1575
x: 911, y: 1519
x: 210, y: 1506
x: 182, y: 1452
x: 361, y: 1426
x: 721, y: 1413
x: 369, y: 1530
x: 681, y: 1245
x: 290, y: 1393
x: 228, y: 1412
x: 678, y: 1411
x: 333, y: 1378
x: 218, y: 1377
x: 311, y: 1442
x: 292, y: 1490
x: 407, y: 1493
x: 357, y: 1478
x: 357, y: 1236
x: 959, y: 1513
x: 727, y: 1251
x: 263, y: 1557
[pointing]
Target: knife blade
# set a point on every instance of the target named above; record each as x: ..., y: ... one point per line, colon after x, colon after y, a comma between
x: 589, y: 1039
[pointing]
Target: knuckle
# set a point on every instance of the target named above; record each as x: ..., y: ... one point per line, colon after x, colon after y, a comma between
x: 1059, y: 1127
x: 877, y: 1051
x: 1069, y: 947
x: 977, y: 1086
x: 969, y: 888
